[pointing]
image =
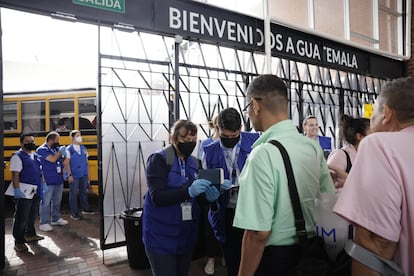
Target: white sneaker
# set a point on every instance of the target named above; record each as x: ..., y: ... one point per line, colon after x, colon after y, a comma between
x: 88, y: 212
x: 209, y: 268
x: 45, y: 227
x: 60, y: 222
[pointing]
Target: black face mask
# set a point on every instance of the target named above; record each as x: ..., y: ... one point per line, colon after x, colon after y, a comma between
x: 29, y: 146
x: 186, y: 148
x: 55, y: 145
x: 229, y: 142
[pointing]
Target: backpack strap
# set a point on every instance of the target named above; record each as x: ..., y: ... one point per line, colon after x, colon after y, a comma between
x: 294, y: 195
x: 372, y: 260
x: 348, y: 161
x: 169, y: 156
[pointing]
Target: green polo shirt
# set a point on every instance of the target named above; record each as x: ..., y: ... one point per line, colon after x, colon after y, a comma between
x: 264, y: 202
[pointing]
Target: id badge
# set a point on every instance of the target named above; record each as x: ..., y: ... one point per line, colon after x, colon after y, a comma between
x: 58, y: 169
x: 186, y: 211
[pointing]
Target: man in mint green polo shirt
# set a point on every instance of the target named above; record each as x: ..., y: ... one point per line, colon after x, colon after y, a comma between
x: 264, y: 208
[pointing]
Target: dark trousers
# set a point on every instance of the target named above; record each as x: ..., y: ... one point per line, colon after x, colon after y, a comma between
x: 78, y: 185
x: 279, y: 260
x: 169, y: 265
x: 232, y: 245
x: 25, y: 214
x: 212, y: 246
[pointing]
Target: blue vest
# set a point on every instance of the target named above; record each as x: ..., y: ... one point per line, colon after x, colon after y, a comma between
x: 325, y: 143
x: 52, y: 172
x: 215, y: 159
x: 30, y: 173
x: 204, y: 143
x: 164, y: 231
x: 78, y: 162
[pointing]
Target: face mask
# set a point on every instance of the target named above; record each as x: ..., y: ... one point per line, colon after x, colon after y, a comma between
x: 78, y: 139
x: 229, y: 142
x: 186, y: 148
x: 55, y: 145
x: 29, y: 146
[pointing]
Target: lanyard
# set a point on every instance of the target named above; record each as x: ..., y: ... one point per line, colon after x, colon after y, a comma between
x: 231, y: 162
x: 182, y: 169
x: 182, y: 166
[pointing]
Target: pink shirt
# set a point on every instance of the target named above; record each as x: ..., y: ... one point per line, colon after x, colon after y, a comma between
x: 379, y: 191
x: 337, y: 158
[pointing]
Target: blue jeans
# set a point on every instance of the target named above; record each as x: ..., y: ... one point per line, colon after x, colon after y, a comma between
x: 51, y: 201
x: 24, y: 218
x: 169, y: 265
x: 81, y: 185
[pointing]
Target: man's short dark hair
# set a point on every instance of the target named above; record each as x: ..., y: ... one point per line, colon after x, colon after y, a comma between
x: 267, y: 85
x: 23, y: 135
x: 271, y: 90
x: 230, y: 119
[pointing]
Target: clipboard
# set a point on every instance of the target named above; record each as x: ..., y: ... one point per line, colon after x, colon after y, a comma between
x: 28, y: 190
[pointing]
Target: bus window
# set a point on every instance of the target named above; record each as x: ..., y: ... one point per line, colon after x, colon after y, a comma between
x: 61, y: 114
x: 87, y: 113
x: 10, y: 116
x: 33, y: 116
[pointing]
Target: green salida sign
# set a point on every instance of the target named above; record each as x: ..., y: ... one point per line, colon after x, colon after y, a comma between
x: 109, y: 5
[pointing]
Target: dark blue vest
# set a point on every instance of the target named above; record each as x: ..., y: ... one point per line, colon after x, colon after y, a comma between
x: 78, y: 162
x: 164, y: 231
x: 325, y: 143
x: 49, y: 169
x: 215, y: 159
x: 30, y: 173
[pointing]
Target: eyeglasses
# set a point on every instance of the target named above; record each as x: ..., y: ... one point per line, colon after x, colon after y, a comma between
x: 247, y: 106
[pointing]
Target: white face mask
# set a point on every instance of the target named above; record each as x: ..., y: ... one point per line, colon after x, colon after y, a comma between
x: 78, y: 139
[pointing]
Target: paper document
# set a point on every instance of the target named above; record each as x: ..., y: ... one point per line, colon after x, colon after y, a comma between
x: 28, y: 190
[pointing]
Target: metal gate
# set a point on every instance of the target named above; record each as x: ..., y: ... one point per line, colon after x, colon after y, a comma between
x: 137, y: 96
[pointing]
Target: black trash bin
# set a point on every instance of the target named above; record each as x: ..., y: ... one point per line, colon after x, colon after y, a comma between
x: 133, y: 233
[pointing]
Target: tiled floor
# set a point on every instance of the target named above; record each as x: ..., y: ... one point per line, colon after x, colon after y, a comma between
x: 74, y: 250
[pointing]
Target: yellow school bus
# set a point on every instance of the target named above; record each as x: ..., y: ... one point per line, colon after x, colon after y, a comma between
x: 40, y: 112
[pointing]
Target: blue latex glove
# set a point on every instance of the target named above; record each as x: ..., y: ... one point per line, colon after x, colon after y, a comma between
x: 18, y: 194
x: 199, y: 186
x: 212, y: 194
x: 63, y: 151
x: 45, y: 188
x: 225, y: 186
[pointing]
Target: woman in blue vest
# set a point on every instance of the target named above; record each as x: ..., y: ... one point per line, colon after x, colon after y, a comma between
x: 229, y: 153
x: 76, y: 164
x: 171, y: 210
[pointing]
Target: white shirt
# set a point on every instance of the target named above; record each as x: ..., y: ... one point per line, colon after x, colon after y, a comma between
x: 77, y: 148
x: 16, y: 164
